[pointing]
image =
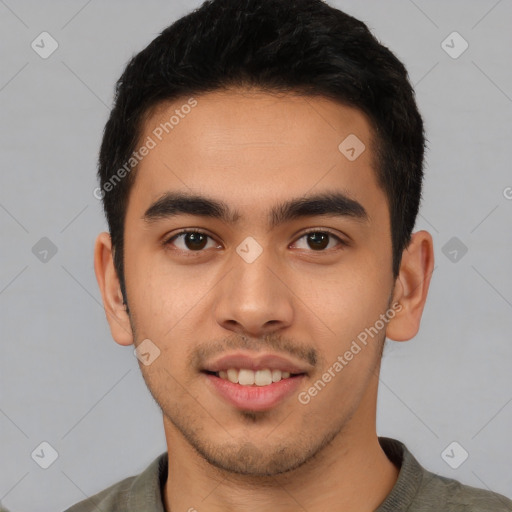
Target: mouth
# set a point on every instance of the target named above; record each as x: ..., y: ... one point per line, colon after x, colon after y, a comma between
x: 253, y: 383
x: 261, y: 396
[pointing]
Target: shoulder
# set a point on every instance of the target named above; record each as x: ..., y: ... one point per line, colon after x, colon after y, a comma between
x: 136, y: 493
x: 440, y: 491
x: 420, y: 490
x: 111, y: 499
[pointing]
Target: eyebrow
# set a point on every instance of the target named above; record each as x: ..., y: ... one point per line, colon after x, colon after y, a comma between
x: 173, y: 204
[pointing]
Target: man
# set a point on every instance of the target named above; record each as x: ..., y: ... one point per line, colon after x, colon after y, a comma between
x: 261, y: 174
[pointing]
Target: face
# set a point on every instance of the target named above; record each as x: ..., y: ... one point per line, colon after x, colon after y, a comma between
x: 272, y: 288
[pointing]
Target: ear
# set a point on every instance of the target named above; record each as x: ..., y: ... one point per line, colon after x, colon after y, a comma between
x: 110, y: 288
x: 411, y: 287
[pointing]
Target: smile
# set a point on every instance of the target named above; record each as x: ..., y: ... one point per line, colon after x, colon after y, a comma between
x: 248, y: 377
x: 253, y: 393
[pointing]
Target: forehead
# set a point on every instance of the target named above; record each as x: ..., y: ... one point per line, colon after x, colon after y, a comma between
x: 251, y: 147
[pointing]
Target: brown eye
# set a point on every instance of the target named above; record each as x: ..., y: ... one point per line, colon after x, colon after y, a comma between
x: 195, y: 241
x: 189, y: 241
x: 320, y: 240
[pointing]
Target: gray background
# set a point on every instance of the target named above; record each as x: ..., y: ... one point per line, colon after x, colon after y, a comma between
x: 64, y: 381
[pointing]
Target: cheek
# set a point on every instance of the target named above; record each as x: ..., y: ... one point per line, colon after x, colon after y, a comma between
x: 155, y: 297
x: 350, y: 303
x: 348, y: 298
x: 169, y: 302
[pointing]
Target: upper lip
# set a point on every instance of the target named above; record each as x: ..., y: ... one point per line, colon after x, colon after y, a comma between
x: 256, y: 362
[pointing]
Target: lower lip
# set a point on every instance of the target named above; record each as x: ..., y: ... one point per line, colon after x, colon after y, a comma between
x: 254, y: 398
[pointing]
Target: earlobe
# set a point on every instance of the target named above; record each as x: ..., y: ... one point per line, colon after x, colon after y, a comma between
x: 110, y: 288
x: 411, y: 286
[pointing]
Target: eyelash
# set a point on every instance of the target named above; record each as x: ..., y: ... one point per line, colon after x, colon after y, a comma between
x: 168, y: 241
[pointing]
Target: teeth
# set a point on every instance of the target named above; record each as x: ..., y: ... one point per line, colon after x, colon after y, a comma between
x: 232, y: 375
x: 247, y: 377
x: 262, y: 377
x: 276, y: 375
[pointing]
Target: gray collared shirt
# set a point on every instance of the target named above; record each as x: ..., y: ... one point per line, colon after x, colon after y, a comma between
x: 416, y: 490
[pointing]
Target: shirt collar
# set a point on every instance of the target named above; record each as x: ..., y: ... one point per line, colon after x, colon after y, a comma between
x: 146, y: 491
x: 409, y: 478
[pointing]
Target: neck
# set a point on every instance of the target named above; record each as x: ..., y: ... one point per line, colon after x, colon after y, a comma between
x: 351, y: 473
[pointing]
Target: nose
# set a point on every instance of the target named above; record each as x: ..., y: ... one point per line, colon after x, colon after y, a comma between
x: 254, y: 298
